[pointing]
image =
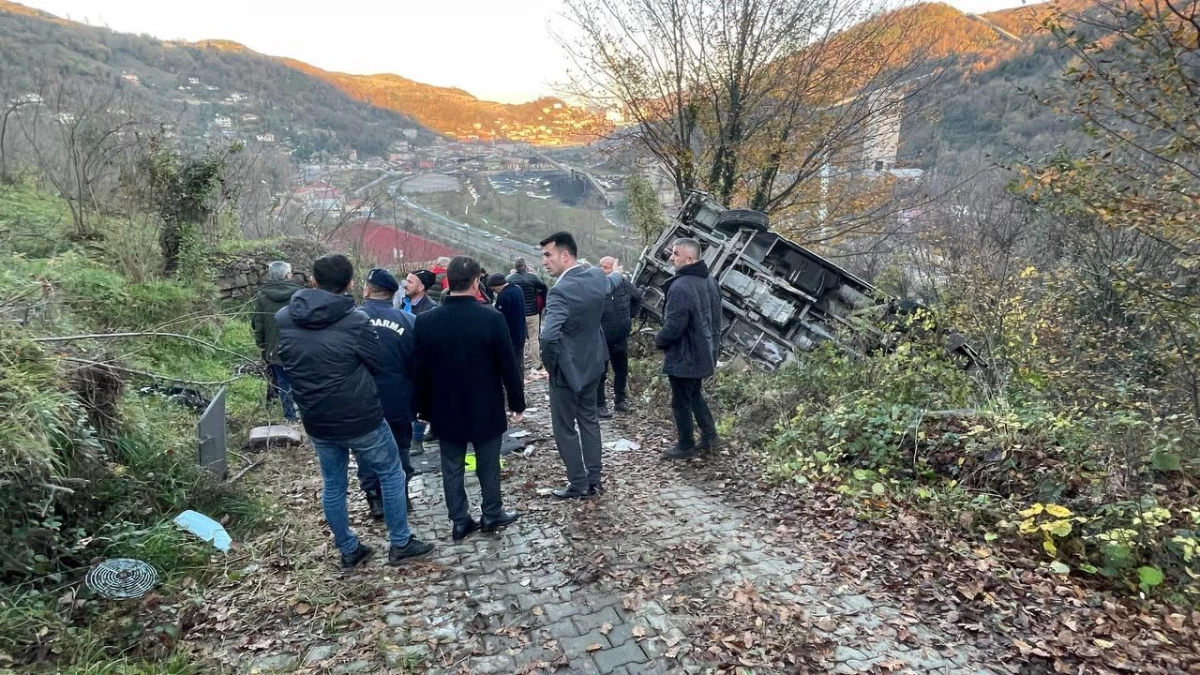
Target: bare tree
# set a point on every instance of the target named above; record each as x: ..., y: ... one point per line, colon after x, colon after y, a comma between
x: 748, y: 99
x: 76, y: 135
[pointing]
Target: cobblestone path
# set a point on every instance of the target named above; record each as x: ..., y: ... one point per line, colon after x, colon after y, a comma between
x: 659, y: 575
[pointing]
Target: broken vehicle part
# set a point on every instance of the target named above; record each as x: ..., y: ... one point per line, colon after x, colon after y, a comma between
x: 778, y: 296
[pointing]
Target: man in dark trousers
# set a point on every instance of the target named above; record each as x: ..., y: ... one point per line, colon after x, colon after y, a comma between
x: 395, y: 330
x: 330, y: 350
x: 533, y: 289
x: 464, y: 367
x: 271, y: 298
x: 573, y: 352
x: 691, y: 336
x: 620, y: 307
x: 416, y: 301
x: 511, y: 303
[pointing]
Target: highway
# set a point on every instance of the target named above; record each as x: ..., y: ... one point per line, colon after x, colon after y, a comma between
x: 468, y: 238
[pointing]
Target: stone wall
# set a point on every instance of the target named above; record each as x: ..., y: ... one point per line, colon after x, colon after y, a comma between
x: 238, y: 275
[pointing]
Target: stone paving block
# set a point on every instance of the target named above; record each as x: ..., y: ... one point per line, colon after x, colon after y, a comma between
x: 561, y: 611
x: 564, y: 628
x: 614, y: 657
x: 587, y: 621
x: 649, y: 668
x: 499, y: 664
x: 575, y: 646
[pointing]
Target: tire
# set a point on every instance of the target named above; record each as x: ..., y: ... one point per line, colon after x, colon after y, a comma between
x: 737, y: 219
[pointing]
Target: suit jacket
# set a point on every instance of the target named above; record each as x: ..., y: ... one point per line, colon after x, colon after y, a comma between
x: 463, y: 365
x: 572, y: 344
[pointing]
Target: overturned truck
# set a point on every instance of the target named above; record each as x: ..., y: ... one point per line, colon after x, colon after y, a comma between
x: 777, y: 296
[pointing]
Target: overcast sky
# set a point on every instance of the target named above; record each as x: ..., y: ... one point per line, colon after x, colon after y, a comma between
x: 498, y: 50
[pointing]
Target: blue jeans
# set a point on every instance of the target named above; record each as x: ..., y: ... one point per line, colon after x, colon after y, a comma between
x: 283, y: 386
x: 367, y: 479
x: 377, y: 450
x: 419, y: 431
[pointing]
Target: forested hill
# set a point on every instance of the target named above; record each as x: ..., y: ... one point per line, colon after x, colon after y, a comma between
x: 192, y: 85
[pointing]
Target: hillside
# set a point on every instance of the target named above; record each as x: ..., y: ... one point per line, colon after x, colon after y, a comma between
x: 978, y: 110
x: 217, y: 88
x: 454, y: 112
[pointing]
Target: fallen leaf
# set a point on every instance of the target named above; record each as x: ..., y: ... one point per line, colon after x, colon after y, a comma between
x: 606, y: 628
x: 638, y: 631
x: 594, y: 648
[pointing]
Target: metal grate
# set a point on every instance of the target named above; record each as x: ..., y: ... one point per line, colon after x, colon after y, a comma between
x: 122, y: 578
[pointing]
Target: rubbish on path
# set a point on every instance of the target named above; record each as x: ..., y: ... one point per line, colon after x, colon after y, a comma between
x: 519, y: 434
x: 206, y: 528
x: 122, y: 578
x: 623, y: 445
x: 274, y: 435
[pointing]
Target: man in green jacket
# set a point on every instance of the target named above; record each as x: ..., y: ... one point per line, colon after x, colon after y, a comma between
x: 271, y: 297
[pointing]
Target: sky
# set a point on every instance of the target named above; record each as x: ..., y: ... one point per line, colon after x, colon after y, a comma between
x: 498, y: 50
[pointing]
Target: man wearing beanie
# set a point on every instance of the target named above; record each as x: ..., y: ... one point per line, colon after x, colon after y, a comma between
x: 511, y: 303
x: 415, y: 301
x: 395, y: 330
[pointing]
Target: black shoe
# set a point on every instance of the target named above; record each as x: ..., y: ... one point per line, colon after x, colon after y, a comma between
x: 352, y: 560
x: 622, y: 407
x: 605, y: 413
x: 415, y: 548
x: 491, y: 525
x: 461, y: 530
x: 595, y: 489
x: 418, y: 448
x: 679, y: 452
x: 375, y: 505
x: 570, y: 492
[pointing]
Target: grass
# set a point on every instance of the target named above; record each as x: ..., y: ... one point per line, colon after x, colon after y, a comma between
x: 91, y: 468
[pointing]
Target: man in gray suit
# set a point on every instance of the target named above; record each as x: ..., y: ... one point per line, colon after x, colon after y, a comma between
x: 573, y: 352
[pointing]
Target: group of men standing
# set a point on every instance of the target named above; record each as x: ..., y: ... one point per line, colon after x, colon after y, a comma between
x: 365, y: 378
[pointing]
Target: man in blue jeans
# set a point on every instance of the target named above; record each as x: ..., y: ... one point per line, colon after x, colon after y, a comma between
x: 330, y: 351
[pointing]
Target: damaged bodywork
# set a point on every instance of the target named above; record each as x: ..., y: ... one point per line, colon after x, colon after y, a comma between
x: 777, y: 296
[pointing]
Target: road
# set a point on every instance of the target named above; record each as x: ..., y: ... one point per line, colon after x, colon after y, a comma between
x: 464, y: 236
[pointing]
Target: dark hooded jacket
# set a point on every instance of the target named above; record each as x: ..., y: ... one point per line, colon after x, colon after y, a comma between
x: 691, y: 332
x: 331, y: 352
x: 270, y: 299
x: 394, y: 381
x: 531, y: 286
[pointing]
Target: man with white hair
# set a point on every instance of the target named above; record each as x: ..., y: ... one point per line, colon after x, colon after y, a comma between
x: 271, y: 297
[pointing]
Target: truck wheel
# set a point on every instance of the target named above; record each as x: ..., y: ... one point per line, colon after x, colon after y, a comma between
x: 737, y: 219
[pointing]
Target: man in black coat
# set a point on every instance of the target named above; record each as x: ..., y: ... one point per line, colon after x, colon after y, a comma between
x: 691, y: 336
x: 534, y: 290
x: 464, y: 366
x: 511, y: 303
x: 331, y: 352
x: 620, y: 306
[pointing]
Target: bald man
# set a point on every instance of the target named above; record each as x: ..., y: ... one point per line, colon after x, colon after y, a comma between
x: 620, y: 306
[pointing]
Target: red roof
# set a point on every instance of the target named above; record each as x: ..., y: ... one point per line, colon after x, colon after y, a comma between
x: 382, y: 244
